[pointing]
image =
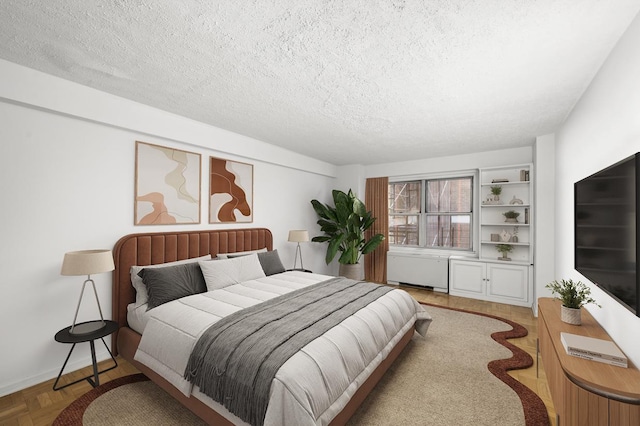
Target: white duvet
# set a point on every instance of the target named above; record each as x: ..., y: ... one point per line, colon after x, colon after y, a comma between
x: 315, y: 384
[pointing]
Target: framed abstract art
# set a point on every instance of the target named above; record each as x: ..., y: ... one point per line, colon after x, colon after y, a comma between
x: 167, y: 186
x: 230, y: 191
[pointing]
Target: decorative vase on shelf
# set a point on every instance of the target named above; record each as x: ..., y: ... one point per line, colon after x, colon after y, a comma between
x: 570, y: 315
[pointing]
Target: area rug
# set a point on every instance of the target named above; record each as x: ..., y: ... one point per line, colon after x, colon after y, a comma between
x: 457, y: 375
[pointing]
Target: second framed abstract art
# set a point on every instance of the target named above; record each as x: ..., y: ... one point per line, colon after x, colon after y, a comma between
x: 230, y: 191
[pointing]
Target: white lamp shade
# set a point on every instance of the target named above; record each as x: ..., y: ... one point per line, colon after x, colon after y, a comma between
x: 87, y: 262
x: 298, y: 236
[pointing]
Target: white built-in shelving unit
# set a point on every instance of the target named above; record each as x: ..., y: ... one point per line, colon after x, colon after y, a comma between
x: 490, y: 276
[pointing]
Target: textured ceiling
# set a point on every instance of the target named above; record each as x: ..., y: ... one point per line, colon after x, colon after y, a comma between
x: 347, y: 82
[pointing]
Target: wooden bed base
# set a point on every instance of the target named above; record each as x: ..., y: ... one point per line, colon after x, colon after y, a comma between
x: 154, y: 248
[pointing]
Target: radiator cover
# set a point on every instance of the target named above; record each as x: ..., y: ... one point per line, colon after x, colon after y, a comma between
x: 421, y: 270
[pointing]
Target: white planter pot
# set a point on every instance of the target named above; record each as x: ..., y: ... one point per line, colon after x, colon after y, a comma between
x: 570, y: 315
x: 353, y: 271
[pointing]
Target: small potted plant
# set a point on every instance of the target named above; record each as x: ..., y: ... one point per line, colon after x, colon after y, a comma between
x: 505, y: 249
x: 511, y: 216
x: 572, y: 295
x: 496, y: 190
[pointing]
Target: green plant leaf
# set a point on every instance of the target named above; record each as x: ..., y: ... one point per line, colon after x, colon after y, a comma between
x: 571, y: 294
x: 343, y: 227
x: 359, y: 208
x: 334, y: 247
x: 372, y: 244
x: 321, y: 209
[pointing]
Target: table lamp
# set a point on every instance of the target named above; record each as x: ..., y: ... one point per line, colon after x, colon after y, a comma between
x: 298, y: 236
x: 87, y: 262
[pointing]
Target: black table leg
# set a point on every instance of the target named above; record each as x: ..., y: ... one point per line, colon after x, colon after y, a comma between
x: 94, y: 379
x: 62, y: 369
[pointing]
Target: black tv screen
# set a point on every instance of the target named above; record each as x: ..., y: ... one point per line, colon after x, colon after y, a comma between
x: 606, y: 231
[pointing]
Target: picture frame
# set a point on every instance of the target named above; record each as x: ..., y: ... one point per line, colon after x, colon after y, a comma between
x: 167, y: 185
x: 230, y: 191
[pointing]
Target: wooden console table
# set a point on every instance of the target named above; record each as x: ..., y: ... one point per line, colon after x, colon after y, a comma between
x: 585, y: 392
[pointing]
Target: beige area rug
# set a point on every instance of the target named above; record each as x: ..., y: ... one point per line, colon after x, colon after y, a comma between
x: 443, y: 379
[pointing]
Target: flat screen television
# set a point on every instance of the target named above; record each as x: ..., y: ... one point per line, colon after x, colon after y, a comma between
x: 606, y: 230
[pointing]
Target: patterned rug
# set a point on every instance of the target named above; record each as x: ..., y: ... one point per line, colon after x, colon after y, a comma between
x: 454, y: 376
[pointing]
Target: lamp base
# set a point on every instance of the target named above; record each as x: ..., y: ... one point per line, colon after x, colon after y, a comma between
x: 87, y: 327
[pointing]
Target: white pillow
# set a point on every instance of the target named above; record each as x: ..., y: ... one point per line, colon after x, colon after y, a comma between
x: 239, y: 253
x: 225, y: 272
x: 142, y: 296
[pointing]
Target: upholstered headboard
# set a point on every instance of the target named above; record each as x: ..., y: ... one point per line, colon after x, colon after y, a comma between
x: 153, y: 248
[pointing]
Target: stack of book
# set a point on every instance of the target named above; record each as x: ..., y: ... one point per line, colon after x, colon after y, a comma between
x: 593, y: 349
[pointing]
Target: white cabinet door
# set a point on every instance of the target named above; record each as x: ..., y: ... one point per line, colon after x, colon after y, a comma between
x: 467, y: 278
x: 507, y: 283
x: 497, y: 282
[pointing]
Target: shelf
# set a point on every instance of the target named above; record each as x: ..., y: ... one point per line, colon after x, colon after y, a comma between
x: 517, y: 182
x: 519, y: 243
x: 503, y: 224
x: 507, y: 262
x: 505, y: 205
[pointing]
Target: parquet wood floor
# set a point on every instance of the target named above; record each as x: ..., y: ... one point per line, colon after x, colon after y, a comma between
x: 39, y: 405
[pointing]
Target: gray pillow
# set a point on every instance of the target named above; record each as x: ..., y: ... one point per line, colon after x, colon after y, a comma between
x: 270, y: 262
x: 141, y: 289
x: 172, y: 282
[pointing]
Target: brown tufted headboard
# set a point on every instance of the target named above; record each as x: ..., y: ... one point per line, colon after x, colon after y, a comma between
x: 153, y: 248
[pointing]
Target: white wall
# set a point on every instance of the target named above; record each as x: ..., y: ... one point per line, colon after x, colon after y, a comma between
x: 67, y: 183
x: 544, y: 213
x: 603, y: 128
x: 453, y: 163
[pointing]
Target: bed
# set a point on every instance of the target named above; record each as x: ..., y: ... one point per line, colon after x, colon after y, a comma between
x: 157, y: 249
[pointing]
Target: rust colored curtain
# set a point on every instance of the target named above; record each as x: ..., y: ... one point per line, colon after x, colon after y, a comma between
x: 376, y: 200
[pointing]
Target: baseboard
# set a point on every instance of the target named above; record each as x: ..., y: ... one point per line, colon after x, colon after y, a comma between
x: 52, y: 374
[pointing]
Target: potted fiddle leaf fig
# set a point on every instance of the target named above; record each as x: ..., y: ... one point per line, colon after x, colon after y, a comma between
x: 572, y: 295
x: 344, y: 226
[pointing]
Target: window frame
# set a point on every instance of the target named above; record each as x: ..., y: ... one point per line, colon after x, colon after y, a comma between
x: 423, y: 214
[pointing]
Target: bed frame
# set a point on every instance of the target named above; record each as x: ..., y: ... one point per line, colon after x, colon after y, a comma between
x: 154, y: 248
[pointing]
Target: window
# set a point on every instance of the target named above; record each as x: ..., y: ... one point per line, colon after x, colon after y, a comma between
x: 404, y: 212
x: 432, y: 213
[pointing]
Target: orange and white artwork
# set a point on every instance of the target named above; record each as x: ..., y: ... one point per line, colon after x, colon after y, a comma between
x: 167, y: 186
x: 230, y: 191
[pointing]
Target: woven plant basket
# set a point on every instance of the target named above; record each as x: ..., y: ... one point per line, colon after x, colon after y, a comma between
x: 354, y: 271
x: 570, y: 315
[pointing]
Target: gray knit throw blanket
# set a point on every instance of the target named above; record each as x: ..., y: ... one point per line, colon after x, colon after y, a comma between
x: 236, y: 359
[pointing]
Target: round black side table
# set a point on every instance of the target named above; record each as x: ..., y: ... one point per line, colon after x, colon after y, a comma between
x: 64, y: 336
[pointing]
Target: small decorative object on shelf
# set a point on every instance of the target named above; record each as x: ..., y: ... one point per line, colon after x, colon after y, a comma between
x: 500, y: 180
x: 514, y: 237
x: 572, y: 295
x: 511, y: 216
x: 505, y: 236
x: 495, y: 237
x: 505, y: 249
x: 515, y: 200
x: 496, y: 190
x: 526, y: 215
